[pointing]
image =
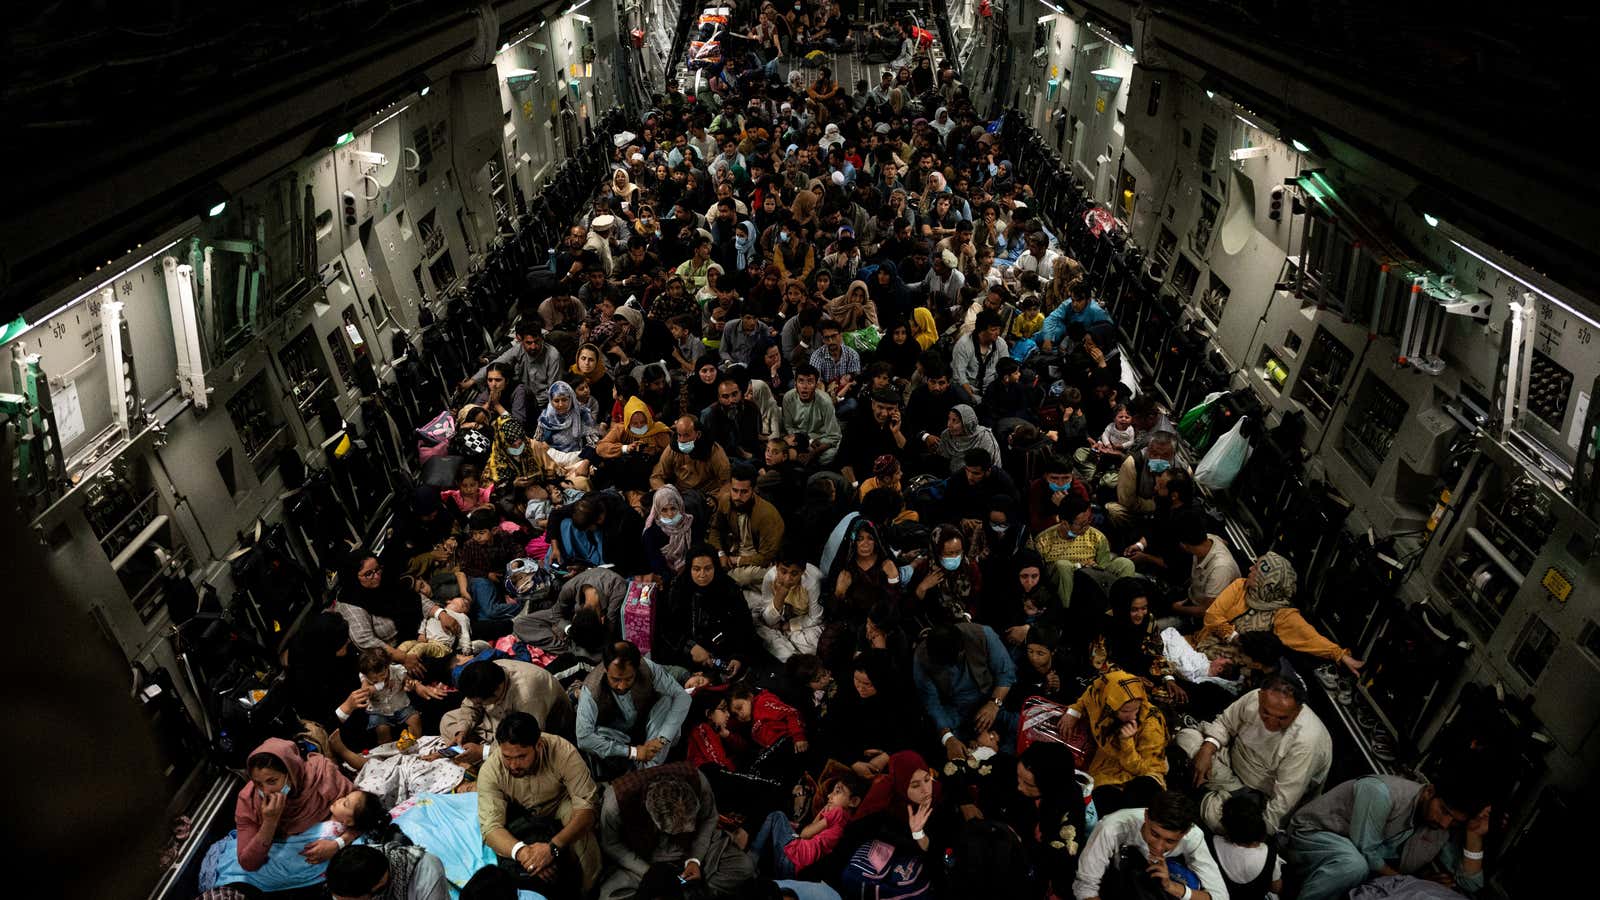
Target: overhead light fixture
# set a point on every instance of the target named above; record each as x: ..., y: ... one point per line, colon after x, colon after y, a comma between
x: 1526, y: 283
x: 1054, y: 8
x: 1300, y: 146
x: 425, y: 89
x: 575, y: 7
x: 1128, y: 47
x: 1211, y: 95
x: 506, y: 46
x: 1433, y: 221
x: 345, y: 138
x: 217, y: 209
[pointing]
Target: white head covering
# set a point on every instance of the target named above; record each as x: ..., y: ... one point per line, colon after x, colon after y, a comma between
x: 603, y: 224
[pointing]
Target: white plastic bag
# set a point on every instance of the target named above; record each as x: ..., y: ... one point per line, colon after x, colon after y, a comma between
x: 1223, y: 461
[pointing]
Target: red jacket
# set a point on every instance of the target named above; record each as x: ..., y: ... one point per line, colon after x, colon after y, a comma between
x: 772, y: 719
x: 705, y: 746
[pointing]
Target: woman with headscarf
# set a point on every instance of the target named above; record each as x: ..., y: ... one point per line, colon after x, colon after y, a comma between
x: 1128, y: 639
x: 1046, y: 812
x: 889, y: 294
x: 1127, y: 735
x: 899, y: 350
x: 705, y: 624
x: 625, y: 192
x: 322, y: 678
x: 565, y: 425
x: 942, y: 123
x: 911, y: 801
x: 628, y: 452
x: 514, y: 457
x: 804, y: 209
x: 854, y: 308
x: 591, y: 364
x: 831, y: 137
x: 669, y: 532
x: 923, y: 327
x: 287, y: 794
x: 873, y: 712
x: 745, y: 245
x: 1260, y: 602
x: 862, y: 575
x: 1020, y: 597
x: 382, y: 613
x: 963, y: 433
x: 770, y: 415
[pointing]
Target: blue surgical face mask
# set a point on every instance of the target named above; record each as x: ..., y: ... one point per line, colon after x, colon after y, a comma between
x: 1058, y: 488
x: 639, y: 429
x: 686, y: 446
x: 783, y: 237
x: 1157, y: 466
x: 1000, y: 527
x: 951, y: 563
x: 670, y: 521
x: 1071, y: 535
x: 515, y: 451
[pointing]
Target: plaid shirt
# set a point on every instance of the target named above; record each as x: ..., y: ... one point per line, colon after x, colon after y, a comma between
x: 830, y: 369
x: 489, y: 558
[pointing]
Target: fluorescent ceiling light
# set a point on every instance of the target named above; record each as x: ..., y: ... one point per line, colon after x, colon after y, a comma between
x: 1058, y: 10
x: 217, y: 210
x: 345, y: 138
x: 1525, y: 283
x: 1211, y: 95
x: 96, y: 289
x: 425, y: 89
x: 575, y: 7
x: 1433, y: 221
x: 1301, y: 147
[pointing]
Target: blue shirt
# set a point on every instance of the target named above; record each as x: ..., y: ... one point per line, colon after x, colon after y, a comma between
x: 965, y: 696
x: 1055, y: 324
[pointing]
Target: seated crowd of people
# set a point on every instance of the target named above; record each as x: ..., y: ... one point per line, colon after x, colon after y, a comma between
x: 808, y: 541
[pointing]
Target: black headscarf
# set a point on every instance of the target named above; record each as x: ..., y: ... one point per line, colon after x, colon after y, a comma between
x: 319, y: 678
x: 389, y: 600
x: 1125, y: 641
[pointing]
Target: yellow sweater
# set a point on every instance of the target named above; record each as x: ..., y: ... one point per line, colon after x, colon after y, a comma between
x: 1288, y: 624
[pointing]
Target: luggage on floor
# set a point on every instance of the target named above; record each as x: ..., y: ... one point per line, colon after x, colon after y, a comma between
x: 639, y: 615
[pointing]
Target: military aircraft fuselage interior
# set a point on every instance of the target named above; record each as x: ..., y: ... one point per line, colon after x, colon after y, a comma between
x: 253, y: 252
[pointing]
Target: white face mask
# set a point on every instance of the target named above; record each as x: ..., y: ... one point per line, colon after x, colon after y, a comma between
x: 379, y: 685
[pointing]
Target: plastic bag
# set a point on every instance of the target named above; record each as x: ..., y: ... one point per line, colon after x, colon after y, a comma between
x: 1195, y: 426
x: 863, y: 340
x: 1224, y: 460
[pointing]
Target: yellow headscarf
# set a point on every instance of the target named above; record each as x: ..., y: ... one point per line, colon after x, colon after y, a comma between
x: 651, y: 428
x: 927, y: 331
x: 1106, y: 695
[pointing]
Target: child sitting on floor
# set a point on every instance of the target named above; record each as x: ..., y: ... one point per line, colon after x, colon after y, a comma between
x: 388, y: 706
x: 1249, y: 862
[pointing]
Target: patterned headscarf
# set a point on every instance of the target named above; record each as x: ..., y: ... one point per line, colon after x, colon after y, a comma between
x: 1272, y: 586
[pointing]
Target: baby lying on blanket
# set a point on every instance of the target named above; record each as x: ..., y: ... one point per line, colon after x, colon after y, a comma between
x: 1194, y: 666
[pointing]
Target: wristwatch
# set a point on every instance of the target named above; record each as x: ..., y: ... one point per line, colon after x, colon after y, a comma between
x: 555, y: 851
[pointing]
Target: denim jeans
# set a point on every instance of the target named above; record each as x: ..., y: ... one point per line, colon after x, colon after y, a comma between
x: 775, y: 834
x: 486, y: 601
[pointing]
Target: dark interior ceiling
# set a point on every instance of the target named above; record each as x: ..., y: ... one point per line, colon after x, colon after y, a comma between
x: 91, y: 82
